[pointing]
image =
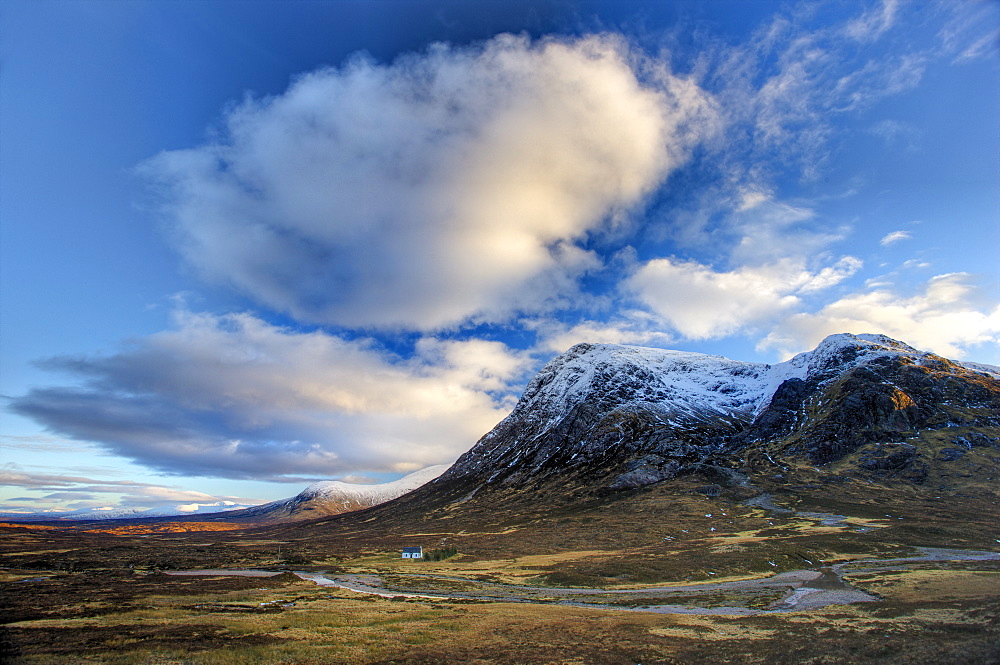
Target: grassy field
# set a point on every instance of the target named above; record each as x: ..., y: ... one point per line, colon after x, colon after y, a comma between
x: 940, y: 615
x: 78, y: 596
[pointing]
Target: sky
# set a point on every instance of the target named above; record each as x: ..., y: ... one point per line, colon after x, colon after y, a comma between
x: 246, y: 246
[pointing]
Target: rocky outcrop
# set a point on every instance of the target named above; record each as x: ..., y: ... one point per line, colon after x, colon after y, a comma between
x: 886, y: 400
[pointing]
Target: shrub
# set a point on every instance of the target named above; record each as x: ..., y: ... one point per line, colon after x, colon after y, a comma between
x: 441, y: 554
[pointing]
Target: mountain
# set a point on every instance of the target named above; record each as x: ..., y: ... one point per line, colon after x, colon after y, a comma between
x: 604, y: 418
x: 862, y: 411
x: 332, y: 497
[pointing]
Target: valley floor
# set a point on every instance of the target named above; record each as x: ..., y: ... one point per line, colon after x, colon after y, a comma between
x: 719, y: 581
x: 941, y: 613
x: 784, y: 592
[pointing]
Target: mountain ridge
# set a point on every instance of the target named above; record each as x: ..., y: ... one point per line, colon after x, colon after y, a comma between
x: 604, y: 417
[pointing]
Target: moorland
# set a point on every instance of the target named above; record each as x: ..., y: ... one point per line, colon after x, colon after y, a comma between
x: 910, y: 578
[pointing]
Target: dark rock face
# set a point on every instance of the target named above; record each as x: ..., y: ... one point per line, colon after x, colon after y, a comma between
x: 951, y: 454
x: 977, y: 440
x: 886, y: 401
x: 782, y: 413
x: 901, y: 460
x: 614, y: 418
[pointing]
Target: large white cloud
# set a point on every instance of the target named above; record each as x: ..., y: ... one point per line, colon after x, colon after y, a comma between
x: 776, y: 255
x: 234, y: 396
x: 947, y: 317
x: 448, y: 186
x: 700, y: 302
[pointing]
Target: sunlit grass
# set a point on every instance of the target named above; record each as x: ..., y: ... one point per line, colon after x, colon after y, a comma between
x: 934, y: 610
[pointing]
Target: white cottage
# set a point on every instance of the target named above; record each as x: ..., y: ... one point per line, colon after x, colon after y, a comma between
x: 413, y: 552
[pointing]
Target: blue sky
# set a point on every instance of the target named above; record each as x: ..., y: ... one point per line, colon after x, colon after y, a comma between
x: 249, y: 245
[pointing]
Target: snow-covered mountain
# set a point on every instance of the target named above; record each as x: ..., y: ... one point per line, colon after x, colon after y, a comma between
x: 333, y: 497
x: 604, y: 418
x: 620, y: 417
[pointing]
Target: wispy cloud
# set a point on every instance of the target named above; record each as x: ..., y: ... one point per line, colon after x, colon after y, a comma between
x: 43, y: 442
x: 874, y: 23
x: 12, y: 475
x: 895, y: 132
x: 69, y: 496
x: 894, y: 237
x: 970, y: 30
x: 772, y: 230
x: 781, y: 93
x: 758, y: 258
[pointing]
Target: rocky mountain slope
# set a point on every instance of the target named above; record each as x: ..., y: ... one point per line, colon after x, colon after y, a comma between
x: 604, y: 418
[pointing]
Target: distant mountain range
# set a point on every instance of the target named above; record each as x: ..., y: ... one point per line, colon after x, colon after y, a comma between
x: 332, y: 497
x: 602, y: 419
x: 329, y: 497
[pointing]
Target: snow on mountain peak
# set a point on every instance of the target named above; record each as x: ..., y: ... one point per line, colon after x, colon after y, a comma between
x: 332, y: 497
x: 683, y: 385
x: 371, y: 494
x: 837, y: 351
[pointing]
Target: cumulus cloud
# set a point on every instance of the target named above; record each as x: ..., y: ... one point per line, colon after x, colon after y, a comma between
x: 700, y: 303
x: 234, y: 396
x: 946, y: 318
x: 777, y: 257
x: 448, y: 186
